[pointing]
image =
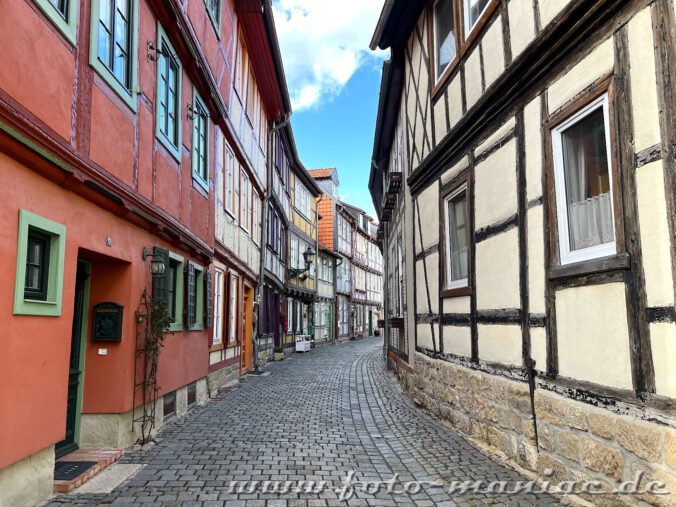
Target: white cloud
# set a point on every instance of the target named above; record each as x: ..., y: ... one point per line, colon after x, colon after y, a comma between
x: 323, y: 44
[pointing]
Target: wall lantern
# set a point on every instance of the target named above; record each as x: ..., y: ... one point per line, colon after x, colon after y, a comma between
x: 297, y: 272
x: 157, y: 266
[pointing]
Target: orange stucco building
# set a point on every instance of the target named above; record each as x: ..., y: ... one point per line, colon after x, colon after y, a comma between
x: 125, y: 127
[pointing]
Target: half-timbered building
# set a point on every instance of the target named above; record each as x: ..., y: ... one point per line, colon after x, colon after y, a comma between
x: 523, y: 173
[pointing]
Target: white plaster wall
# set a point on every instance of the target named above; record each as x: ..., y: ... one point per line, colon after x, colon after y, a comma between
x: 409, y: 267
x: 29, y: 481
x: 500, y: 344
x: 521, y: 11
x: 495, y: 136
x: 536, y: 260
x: 433, y: 281
x: 598, y: 63
x: 428, y: 205
x: 655, y: 237
x: 473, y: 89
x: 663, y: 341
x: 456, y: 305
x: 592, y: 334
x: 425, y: 336
x: 533, y: 140
x: 538, y: 347
x: 458, y: 340
x: 497, y: 272
x: 549, y: 9
x: 455, y: 100
x: 495, y: 186
x: 493, y: 49
x: 455, y: 170
x: 440, y: 129
x: 643, y: 81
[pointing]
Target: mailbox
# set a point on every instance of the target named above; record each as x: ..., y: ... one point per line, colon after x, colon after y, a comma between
x: 107, y: 322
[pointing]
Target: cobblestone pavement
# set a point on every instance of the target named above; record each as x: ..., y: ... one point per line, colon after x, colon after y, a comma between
x: 316, y: 417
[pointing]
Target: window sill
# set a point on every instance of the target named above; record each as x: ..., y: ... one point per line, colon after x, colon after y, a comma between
x: 174, y: 151
x: 196, y: 327
x: 616, y: 262
x: 38, y: 308
x: 216, y: 347
x: 176, y: 328
x: 457, y: 292
x: 200, y: 184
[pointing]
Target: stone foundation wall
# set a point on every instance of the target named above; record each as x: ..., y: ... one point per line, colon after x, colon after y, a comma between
x: 221, y: 378
x: 577, y: 441
x: 29, y: 481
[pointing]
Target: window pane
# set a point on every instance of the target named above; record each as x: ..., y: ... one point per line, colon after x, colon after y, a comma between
x: 473, y: 11
x: 458, y: 239
x: 445, y: 34
x: 588, y: 199
x: 104, y: 45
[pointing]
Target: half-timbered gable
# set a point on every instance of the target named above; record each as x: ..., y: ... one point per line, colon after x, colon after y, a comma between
x: 541, y: 189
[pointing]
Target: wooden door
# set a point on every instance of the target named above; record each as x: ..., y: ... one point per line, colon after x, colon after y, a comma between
x: 246, y: 352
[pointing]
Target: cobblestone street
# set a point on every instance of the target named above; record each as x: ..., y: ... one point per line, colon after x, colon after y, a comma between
x: 315, y: 417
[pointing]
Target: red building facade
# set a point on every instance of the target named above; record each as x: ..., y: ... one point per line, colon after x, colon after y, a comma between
x: 119, y: 124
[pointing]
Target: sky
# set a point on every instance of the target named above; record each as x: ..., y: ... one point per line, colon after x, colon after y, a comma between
x: 333, y: 81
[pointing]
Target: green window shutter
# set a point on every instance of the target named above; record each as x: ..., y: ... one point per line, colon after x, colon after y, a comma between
x: 191, y: 300
x: 160, y: 280
x: 208, y: 299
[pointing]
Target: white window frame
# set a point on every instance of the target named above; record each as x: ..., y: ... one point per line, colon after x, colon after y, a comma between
x: 465, y: 11
x: 229, y: 170
x: 244, y: 201
x: 594, y: 252
x: 439, y: 75
x: 463, y: 282
x: 255, y: 217
x: 232, y: 304
x: 219, y: 280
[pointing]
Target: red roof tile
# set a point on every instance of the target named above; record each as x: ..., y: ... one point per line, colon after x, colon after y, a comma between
x: 322, y: 173
x: 325, y: 208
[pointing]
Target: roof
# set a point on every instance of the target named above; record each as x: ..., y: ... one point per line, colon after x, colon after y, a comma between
x: 396, y: 22
x: 319, y: 174
x: 326, y: 207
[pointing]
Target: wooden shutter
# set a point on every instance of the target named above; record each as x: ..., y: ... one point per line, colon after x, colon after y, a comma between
x: 190, y: 300
x: 160, y: 280
x: 208, y: 299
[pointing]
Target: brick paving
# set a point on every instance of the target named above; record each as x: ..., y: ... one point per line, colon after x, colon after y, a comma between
x: 316, y: 417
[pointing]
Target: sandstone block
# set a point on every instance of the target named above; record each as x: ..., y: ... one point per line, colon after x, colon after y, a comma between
x: 551, y: 469
x: 527, y: 456
x: 603, y: 459
x: 601, y: 424
x: 551, y: 409
x: 670, y: 449
x: 642, y: 439
x: 568, y: 445
x: 576, y: 417
x: 546, y: 437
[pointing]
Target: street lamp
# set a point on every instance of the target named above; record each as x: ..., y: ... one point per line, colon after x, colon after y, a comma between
x: 308, y: 254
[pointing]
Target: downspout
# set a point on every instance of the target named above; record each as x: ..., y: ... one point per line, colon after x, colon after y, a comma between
x: 386, y: 292
x: 264, y: 235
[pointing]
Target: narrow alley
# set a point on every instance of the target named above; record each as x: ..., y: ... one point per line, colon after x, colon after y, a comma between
x: 315, y: 417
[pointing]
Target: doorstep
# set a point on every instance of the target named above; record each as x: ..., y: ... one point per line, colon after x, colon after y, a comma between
x: 102, y: 459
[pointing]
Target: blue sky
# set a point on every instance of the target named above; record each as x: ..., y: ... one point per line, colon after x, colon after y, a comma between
x: 333, y: 81
x: 339, y: 133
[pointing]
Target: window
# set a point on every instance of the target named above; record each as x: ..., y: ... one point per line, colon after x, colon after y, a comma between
x: 255, y: 218
x: 217, y: 338
x: 457, y: 231
x: 195, y: 297
x: 229, y: 181
x: 444, y: 35
x: 293, y: 261
x: 584, y: 184
x: 232, y: 310
x: 39, y: 266
x: 302, y: 200
x: 173, y: 275
x: 473, y: 11
x: 245, y: 203
x: 113, y: 46
x: 214, y: 12
x: 168, y: 115
x: 200, y: 143
x: 63, y: 13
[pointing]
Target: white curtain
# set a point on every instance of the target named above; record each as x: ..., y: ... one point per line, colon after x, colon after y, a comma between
x: 590, y: 218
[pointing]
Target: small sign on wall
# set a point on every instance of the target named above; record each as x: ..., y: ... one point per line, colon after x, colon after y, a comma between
x: 107, y: 322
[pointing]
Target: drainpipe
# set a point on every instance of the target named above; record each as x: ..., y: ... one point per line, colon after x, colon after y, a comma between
x: 386, y: 291
x: 264, y: 235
